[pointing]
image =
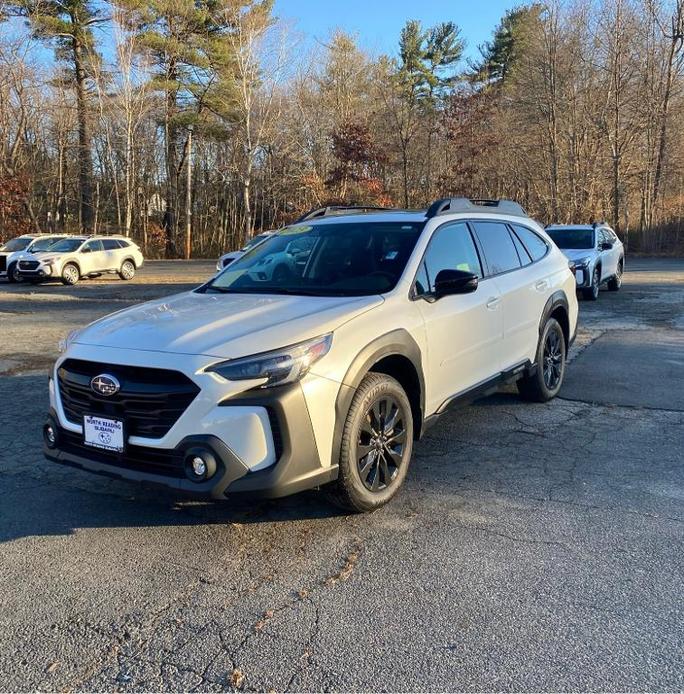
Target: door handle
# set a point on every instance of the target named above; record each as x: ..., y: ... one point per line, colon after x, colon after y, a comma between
x: 541, y: 285
x: 493, y: 302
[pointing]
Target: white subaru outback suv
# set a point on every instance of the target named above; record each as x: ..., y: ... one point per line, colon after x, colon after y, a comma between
x: 325, y: 376
x: 26, y: 244
x: 76, y: 257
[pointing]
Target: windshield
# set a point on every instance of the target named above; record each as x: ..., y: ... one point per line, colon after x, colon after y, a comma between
x: 352, y: 259
x: 572, y: 238
x: 14, y: 245
x: 67, y: 245
x: 43, y: 244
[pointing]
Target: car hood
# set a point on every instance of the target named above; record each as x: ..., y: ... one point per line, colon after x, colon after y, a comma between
x: 577, y: 253
x: 223, y: 325
x: 41, y: 255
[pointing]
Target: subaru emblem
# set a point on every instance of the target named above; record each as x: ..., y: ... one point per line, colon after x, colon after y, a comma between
x: 105, y: 385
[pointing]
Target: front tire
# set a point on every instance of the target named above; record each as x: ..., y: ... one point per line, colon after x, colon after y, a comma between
x: 592, y: 293
x: 70, y: 274
x: 547, y: 379
x: 377, y: 443
x: 127, y: 271
x: 616, y: 282
x: 13, y: 275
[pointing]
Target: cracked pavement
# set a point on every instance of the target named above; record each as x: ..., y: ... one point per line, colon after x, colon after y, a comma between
x: 534, y: 547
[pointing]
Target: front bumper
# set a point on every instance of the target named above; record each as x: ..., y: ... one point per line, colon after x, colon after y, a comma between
x: 297, y: 463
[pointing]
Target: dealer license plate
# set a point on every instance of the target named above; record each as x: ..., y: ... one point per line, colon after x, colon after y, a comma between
x: 101, y: 432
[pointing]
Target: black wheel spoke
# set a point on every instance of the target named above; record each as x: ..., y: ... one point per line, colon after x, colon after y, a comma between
x: 367, y: 466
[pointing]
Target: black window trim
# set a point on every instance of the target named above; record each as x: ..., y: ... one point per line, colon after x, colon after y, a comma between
x: 413, y: 295
x: 484, y: 255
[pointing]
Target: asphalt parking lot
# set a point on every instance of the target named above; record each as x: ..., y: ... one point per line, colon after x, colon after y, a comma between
x: 534, y: 547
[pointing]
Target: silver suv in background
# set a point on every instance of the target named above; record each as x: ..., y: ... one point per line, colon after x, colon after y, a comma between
x: 82, y: 256
x: 21, y: 245
x: 597, y: 253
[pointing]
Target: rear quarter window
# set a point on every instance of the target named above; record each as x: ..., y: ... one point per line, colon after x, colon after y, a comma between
x: 535, y: 245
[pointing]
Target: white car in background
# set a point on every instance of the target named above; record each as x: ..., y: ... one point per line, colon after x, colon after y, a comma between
x: 227, y: 258
x: 597, y: 253
x: 22, y: 245
x: 76, y: 257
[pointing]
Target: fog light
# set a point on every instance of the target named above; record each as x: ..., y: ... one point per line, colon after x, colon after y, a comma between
x: 50, y: 435
x: 200, y: 464
x: 199, y: 467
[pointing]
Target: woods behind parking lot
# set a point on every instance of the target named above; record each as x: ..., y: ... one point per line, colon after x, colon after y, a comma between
x: 535, y: 547
x: 198, y: 123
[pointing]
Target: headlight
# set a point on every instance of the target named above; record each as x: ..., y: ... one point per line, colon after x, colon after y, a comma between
x: 64, y: 343
x: 582, y: 262
x: 277, y: 368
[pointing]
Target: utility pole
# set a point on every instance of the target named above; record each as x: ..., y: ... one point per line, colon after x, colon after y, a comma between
x: 188, y: 198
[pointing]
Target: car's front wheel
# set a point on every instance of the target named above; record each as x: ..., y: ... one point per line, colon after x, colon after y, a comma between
x: 70, y: 274
x: 546, y: 381
x: 616, y: 282
x: 127, y: 271
x: 592, y: 292
x: 13, y: 274
x: 377, y: 443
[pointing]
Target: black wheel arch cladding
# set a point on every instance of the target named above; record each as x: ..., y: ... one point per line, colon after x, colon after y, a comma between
x: 386, y: 354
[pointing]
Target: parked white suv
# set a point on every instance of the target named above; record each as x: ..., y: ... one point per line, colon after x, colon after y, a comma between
x: 83, y: 256
x: 227, y: 258
x: 26, y: 244
x: 326, y: 376
x: 596, y: 252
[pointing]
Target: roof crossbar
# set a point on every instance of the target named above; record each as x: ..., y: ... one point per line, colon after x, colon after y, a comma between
x: 451, y: 205
x: 331, y: 210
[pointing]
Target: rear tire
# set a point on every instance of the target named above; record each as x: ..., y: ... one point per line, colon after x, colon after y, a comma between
x: 127, y: 271
x: 547, y: 379
x: 615, y: 283
x: 70, y: 274
x: 377, y: 443
x: 592, y: 293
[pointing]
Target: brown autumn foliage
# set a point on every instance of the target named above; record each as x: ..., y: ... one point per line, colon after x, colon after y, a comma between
x: 575, y: 109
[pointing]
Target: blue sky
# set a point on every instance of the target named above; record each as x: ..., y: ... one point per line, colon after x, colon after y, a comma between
x: 377, y: 23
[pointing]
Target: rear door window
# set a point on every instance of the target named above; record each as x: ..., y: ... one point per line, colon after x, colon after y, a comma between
x: 111, y: 244
x: 497, y: 244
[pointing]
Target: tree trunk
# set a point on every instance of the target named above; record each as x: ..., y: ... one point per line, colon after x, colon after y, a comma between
x: 85, y: 158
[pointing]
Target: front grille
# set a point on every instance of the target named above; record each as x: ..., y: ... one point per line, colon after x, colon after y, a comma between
x: 3, y: 263
x: 150, y: 401
x: 156, y: 461
x: 28, y: 264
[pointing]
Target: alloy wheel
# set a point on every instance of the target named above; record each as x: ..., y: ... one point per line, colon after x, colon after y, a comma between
x: 127, y: 270
x: 381, y: 444
x: 553, y: 359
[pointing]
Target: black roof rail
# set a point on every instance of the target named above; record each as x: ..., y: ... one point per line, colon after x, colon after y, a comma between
x: 451, y: 205
x: 330, y: 210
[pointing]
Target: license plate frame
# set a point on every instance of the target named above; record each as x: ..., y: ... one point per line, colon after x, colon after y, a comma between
x: 106, y: 433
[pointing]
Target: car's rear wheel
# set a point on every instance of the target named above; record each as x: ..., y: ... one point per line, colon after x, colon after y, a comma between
x: 377, y: 443
x: 545, y: 383
x: 615, y: 283
x: 127, y: 271
x: 592, y: 292
x: 70, y: 274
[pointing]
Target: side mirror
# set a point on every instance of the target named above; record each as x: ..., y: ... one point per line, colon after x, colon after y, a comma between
x: 87, y: 250
x: 606, y: 246
x: 450, y: 282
